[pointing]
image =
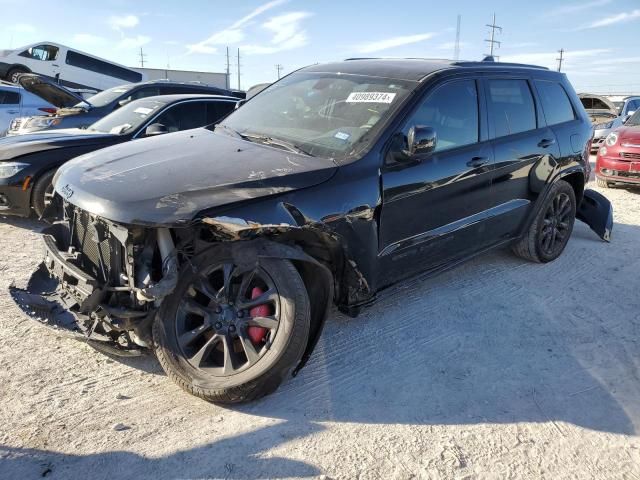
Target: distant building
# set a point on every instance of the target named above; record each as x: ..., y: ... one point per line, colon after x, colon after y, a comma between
x: 209, y: 78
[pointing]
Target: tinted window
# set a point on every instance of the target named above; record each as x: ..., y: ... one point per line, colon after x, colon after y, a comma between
x: 105, y: 68
x: 511, y: 108
x: 555, y: 102
x: 218, y: 110
x: 452, y: 110
x: 41, y: 52
x: 184, y: 116
x: 594, y: 103
x: 146, y: 92
x: 9, y: 98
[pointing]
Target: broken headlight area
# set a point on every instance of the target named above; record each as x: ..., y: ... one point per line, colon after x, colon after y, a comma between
x: 101, y: 281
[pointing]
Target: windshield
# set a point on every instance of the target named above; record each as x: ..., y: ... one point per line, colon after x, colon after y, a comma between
x: 128, y: 118
x: 634, y: 120
x: 105, y: 97
x: 619, y: 106
x: 323, y: 114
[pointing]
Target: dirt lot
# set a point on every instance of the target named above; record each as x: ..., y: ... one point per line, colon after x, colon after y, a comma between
x: 498, y: 369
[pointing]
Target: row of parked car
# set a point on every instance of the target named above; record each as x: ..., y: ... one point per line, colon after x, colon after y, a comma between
x: 221, y: 248
x: 616, y: 138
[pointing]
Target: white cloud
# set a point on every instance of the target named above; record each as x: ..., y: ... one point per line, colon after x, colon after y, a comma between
x: 575, y: 8
x: 393, y: 42
x: 88, y: 39
x: 232, y: 34
x: 613, y: 19
x: 133, y: 42
x: 287, y: 34
x: 119, y: 22
x: 617, y: 60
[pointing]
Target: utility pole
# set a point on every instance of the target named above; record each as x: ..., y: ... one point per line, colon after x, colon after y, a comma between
x: 142, y: 57
x: 560, y: 59
x: 456, y: 50
x: 239, y: 70
x: 228, y: 70
x: 279, y: 68
x: 492, y: 41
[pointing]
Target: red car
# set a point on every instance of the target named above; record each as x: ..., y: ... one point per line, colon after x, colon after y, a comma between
x: 619, y: 158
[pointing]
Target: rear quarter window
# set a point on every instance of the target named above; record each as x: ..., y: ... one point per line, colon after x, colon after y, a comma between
x: 9, y: 98
x: 556, y: 105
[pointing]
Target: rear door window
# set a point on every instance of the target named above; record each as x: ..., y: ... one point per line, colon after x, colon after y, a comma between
x: 555, y: 102
x: 511, y: 108
x: 184, y: 116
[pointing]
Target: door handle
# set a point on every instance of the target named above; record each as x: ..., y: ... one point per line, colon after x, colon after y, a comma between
x: 477, y: 162
x: 546, y: 142
x: 54, y: 65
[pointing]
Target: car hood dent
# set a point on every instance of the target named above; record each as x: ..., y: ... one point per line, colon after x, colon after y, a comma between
x: 19, y: 145
x: 49, y: 91
x: 168, y: 180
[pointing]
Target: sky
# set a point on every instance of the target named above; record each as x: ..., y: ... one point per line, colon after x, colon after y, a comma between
x: 600, y: 37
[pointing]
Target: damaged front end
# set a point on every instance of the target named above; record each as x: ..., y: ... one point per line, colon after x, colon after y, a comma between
x: 101, y: 282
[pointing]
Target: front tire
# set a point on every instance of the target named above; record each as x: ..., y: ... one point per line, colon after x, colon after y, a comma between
x: 42, y: 194
x: 203, y: 333
x: 549, y: 232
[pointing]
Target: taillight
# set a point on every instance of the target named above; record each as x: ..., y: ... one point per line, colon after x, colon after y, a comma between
x: 50, y: 111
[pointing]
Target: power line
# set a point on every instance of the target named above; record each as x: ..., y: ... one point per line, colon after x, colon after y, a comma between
x: 492, y: 41
x: 456, y: 49
x: 560, y: 58
x: 279, y: 68
x: 142, y: 57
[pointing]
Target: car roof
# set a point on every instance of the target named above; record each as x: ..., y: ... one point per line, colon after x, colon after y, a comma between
x: 413, y: 69
x: 167, y: 99
x: 174, y: 83
x: 8, y: 85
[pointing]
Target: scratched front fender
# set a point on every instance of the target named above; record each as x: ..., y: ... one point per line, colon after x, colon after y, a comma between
x: 596, y: 211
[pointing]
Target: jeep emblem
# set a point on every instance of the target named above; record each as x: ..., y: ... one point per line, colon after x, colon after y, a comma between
x: 66, y: 192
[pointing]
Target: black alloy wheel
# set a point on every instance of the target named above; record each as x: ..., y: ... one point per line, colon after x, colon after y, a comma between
x: 215, y: 318
x: 556, y: 225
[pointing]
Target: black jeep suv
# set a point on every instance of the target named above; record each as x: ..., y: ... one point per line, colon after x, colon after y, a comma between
x: 222, y: 248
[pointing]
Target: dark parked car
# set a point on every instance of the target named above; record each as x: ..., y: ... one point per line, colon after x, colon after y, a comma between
x: 76, y: 112
x: 29, y: 162
x: 222, y: 248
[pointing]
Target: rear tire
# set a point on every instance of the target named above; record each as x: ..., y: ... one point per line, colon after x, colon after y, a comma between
x: 14, y: 74
x: 602, y: 183
x: 549, y: 232
x: 200, y: 332
x: 42, y: 193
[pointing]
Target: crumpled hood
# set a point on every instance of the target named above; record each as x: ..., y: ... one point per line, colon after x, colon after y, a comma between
x: 19, y: 145
x: 168, y: 180
x: 49, y: 91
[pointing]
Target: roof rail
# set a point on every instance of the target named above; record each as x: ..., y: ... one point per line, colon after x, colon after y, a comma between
x: 490, y: 63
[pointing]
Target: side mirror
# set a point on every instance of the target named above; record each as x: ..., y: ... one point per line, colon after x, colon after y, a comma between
x: 155, y: 129
x: 123, y: 102
x: 421, y: 140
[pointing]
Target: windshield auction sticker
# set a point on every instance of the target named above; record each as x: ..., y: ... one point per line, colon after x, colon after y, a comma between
x: 370, y: 97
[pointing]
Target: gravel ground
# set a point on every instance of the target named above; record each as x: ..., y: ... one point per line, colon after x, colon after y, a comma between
x: 497, y: 369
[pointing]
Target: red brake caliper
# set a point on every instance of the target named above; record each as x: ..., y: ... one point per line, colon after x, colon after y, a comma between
x: 257, y: 334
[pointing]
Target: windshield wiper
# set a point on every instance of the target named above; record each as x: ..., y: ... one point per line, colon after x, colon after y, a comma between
x: 277, y: 142
x: 230, y: 130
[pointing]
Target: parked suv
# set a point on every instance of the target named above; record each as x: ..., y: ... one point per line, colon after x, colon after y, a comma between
x: 222, y: 248
x: 76, y: 112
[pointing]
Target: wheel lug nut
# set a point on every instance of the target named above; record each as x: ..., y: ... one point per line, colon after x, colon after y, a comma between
x: 232, y: 328
x: 240, y: 314
x: 218, y: 309
x: 218, y: 325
